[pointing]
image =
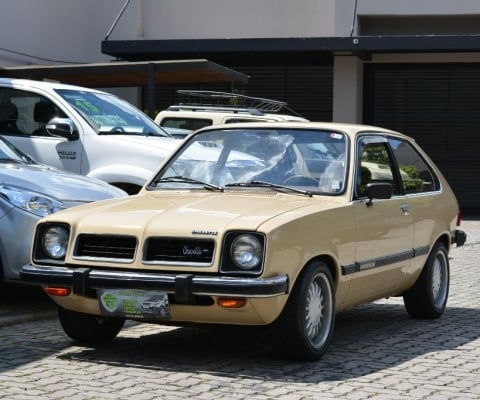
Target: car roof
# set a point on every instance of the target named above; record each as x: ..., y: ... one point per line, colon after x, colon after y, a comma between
x: 174, y: 111
x: 214, y: 104
x: 350, y: 129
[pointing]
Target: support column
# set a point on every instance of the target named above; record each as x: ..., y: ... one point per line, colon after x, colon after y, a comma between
x: 347, y: 89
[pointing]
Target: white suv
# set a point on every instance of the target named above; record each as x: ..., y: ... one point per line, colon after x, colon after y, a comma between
x: 83, y: 130
x: 200, y: 108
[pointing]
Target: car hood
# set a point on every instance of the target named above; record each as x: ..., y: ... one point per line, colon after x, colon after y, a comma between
x: 170, y: 213
x: 67, y: 187
x: 165, y: 144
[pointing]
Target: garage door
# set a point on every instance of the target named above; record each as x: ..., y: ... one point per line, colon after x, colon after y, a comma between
x: 439, y: 106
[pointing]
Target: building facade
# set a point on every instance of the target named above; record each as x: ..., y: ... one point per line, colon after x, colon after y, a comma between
x: 408, y: 65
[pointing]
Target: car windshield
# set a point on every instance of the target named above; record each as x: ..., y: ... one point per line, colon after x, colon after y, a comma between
x: 300, y: 159
x: 109, y: 114
x: 10, y: 153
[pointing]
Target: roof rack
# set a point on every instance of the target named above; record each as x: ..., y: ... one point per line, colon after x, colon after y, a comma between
x: 228, y: 101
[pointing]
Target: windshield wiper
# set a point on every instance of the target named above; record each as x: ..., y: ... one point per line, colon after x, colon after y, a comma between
x: 269, y: 185
x: 185, y: 179
x: 9, y: 160
x: 159, y: 134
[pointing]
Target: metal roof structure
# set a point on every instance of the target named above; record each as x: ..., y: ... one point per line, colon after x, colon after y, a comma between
x: 125, y: 73
x: 320, y: 49
x: 128, y: 74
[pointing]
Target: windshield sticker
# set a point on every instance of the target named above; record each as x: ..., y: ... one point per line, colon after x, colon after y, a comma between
x: 335, y: 185
x: 336, y: 136
x: 108, y: 120
x: 86, y: 107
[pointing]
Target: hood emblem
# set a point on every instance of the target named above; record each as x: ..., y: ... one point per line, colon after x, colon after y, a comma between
x: 204, y: 232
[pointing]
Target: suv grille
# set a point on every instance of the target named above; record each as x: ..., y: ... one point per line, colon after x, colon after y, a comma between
x: 106, y: 246
x: 179, y: 250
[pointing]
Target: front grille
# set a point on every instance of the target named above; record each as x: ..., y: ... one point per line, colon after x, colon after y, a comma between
x: 116, y: 247
x: 179, y: 250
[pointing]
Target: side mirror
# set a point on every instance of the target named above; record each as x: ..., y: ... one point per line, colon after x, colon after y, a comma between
x: 62, y: 127
x: 378, y: 191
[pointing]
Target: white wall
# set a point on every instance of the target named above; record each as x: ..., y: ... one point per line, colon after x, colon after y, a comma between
x: 71, y: 31
x: 44, y: 31
x: 418, y: 7
x: 220, y: 19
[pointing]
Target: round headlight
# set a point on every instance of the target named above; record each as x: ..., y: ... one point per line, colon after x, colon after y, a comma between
x: 246, y: 251
x: 55, y: 241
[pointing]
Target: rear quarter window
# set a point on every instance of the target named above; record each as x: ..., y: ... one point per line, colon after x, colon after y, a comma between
x: 415, y: 174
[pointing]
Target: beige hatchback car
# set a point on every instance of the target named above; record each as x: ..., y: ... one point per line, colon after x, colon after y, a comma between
x: 275, y: 224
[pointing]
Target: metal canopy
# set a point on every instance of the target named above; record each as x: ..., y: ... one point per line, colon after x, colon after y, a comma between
x: 127, y: 74
x: 322, y: 48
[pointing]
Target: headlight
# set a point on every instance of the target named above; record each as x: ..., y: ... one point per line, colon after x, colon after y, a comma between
x: 246, y: 251
x: 32, y: 202
x: 55, y: 241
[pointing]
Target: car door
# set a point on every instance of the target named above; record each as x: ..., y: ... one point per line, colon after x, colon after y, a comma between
x: 383, y: 227
x: 422, y: 187
x: 33, y: 111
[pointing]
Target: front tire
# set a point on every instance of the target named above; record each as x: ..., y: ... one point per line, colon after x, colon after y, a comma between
x: 304, y: 329
x: 87, y: 328
x: 428, y: 297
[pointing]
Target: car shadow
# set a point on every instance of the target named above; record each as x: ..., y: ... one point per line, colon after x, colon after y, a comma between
x: 367, y: 339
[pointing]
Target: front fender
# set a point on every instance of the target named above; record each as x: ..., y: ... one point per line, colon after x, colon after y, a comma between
x: 119, y: 173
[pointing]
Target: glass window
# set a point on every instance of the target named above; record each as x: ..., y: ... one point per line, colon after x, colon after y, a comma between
x: 312, y: 160
x: 185, y: 123
x: 25, y: 113
x: 109, y: 114
x: 415, y: 175
x: 375, y: 166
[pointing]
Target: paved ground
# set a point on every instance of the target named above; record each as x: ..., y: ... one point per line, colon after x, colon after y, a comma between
x: 377, y: 353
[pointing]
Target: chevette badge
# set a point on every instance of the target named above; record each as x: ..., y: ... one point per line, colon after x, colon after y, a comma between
x: 204, y: 232
x: 192, y: 251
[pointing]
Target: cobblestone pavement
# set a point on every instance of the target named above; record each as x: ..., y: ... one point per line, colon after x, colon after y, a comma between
x: 378, y: 352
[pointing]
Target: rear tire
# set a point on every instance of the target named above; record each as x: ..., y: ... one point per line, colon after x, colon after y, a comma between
x: 428, y: 297
x: 304, y: 329
x: 87, y: 328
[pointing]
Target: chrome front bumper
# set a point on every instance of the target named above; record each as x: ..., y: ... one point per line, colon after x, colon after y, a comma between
x: 183, y: 286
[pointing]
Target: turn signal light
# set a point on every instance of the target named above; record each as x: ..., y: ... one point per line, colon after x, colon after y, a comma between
x: 231, y: 302
x: 57, y: 291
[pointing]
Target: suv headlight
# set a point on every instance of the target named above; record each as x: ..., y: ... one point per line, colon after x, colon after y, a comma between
x: 243, y: 253
x: 30, y: 201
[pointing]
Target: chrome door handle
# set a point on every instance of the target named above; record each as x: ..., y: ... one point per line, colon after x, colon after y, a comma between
x: 405, y: 208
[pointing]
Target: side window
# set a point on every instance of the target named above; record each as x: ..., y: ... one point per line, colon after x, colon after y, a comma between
x: 185, y: 123
x: 415, y: 174
x: 374, y: 165
x: 25, y: 113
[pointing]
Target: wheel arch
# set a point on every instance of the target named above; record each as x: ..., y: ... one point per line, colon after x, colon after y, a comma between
x: 330, y: 263
x: 445, y: 239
